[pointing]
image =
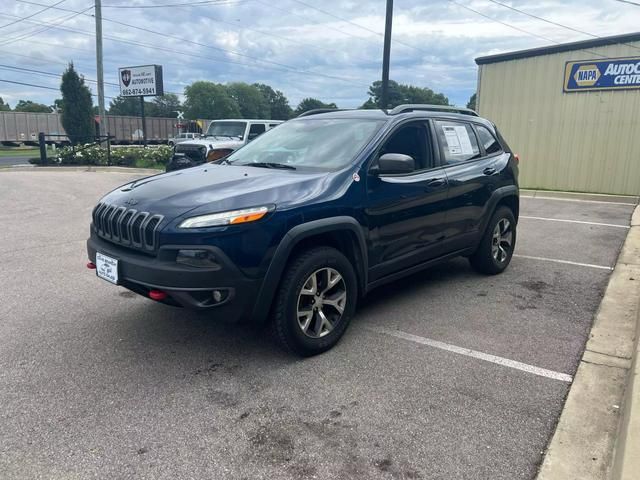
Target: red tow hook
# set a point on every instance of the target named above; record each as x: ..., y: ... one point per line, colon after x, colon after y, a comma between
x: 157, y: 295
x: 91, y: 265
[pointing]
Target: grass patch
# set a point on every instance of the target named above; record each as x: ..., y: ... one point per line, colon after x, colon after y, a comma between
x: 20, y: 152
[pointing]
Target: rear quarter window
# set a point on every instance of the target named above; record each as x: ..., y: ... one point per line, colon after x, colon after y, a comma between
x: 488, y: 140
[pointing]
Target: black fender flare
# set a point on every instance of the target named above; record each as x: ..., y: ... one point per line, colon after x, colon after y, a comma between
x: 497, y: 195
x: 287, y: 244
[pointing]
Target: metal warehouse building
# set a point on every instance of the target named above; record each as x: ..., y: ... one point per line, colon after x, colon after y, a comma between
x: 572, y: 112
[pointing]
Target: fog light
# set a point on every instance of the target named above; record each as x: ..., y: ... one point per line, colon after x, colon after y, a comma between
x: 220, y: 296
x: 197, y: 258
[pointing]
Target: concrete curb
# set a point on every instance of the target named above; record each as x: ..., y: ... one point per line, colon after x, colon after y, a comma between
x: 597, y: 437
x: 626, y: 461
x: 593, y: 197
x: 85, y: 168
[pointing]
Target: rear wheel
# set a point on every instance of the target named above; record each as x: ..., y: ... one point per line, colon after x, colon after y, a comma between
x: 496, y: 246
x: 315, y: 301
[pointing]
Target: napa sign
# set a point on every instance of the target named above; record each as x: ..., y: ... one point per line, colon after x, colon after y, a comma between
x: 602, y: 74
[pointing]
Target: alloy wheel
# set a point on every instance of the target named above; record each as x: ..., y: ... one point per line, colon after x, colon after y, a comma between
x: 321, y: 302
x: 502, y: 240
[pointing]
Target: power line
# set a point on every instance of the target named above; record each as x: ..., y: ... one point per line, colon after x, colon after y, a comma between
x: 190, y: 4
x: 501, y: 22
x: 155, y: 48
x: 566, y: 27
x: 628, y: 2
x: 32, y: 15
x: 57, y: 21
x: 186, y: 40
x: 290, y: 13
x: 58, y: 75
x: 51, y: 74
x: 37, y: 86
x: 360, y: 26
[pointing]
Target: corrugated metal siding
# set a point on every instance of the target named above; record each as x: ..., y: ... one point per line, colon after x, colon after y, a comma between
x: 580, y: 141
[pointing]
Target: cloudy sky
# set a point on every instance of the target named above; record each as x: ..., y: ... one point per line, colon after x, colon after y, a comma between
x: 328, y: 49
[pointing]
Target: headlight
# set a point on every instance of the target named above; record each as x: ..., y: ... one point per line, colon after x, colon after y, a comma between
x: 232, y: 217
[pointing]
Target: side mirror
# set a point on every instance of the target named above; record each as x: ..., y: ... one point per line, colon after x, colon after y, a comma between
x: 397, y: 163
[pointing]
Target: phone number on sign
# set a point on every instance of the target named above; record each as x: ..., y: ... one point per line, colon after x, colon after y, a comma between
x: 138, y: 91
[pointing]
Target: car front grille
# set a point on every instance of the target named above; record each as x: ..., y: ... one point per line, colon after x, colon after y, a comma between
x: 197, y: 153
x: 126, y: 227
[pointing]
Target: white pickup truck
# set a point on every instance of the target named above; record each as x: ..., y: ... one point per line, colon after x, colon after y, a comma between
x: 222, y: 138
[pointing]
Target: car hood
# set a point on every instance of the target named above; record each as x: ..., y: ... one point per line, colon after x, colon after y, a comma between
x: 215, y: 188
x: 212, y: 143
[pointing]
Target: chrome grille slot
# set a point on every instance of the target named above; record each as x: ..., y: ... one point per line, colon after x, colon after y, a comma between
x: 126, y: 226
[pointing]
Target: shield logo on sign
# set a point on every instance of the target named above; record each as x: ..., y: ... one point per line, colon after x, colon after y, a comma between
x: 126, y: 77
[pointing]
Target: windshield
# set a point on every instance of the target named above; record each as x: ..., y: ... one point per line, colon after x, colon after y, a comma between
x: 227, y: 129
x: 325, y: 144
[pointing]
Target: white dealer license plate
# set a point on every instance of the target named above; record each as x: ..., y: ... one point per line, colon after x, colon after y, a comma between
x: 107, y: 268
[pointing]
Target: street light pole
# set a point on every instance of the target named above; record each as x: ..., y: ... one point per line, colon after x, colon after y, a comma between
x: 99, y: 67
x: 386, y: 55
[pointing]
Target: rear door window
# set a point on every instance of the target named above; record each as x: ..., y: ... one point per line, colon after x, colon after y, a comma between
x: 458, y: 142
x: 488, y: 141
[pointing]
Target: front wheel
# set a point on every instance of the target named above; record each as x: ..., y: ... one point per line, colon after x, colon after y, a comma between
x: 497, y: 244
x: 315, y: 301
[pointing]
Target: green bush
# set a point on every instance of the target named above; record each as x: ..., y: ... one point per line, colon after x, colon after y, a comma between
x: 150, y: 157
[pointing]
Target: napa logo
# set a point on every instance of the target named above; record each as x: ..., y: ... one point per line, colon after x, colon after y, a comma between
x: 602, y: 74
x: 587, y: 75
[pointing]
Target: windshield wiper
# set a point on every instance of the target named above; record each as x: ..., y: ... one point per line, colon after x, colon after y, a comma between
x: 268, y: 165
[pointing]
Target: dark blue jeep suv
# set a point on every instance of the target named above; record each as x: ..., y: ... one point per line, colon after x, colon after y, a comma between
x: 294, y: 227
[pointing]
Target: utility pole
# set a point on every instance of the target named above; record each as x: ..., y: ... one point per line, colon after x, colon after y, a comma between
x: 386, y: 55
x: 99, y: 68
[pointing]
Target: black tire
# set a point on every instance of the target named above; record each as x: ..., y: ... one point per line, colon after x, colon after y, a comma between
x: 484, y: 260
x: 285, y: 326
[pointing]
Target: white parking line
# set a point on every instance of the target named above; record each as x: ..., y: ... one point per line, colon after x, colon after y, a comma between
x: 575, y: 221
x: 505, y: 362
x: 566, y: 262
x: 579, y: 200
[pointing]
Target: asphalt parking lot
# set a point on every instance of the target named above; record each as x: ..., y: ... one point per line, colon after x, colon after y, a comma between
x: 446, y: 374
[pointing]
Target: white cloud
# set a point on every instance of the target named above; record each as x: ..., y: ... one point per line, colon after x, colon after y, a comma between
x: 435, y: 42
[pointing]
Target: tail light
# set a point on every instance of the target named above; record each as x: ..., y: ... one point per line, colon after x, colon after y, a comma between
x: 516, y: 157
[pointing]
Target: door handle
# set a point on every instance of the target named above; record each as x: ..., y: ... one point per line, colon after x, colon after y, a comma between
x: 436, y: 182
x: 489, y: 171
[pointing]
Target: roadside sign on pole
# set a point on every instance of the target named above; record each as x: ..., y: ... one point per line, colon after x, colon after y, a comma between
x: 141, y: 81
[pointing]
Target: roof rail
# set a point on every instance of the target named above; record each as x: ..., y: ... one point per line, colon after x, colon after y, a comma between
x: 316, y: 111
x: 433, y: 108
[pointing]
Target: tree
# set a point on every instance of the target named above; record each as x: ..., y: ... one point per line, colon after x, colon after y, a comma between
x: 77, y: 115
x: 29, y: 106
x: 250, y: 100
x: 209, y: 100
x: 278, y: 104
x: 472, y: 102
x: 129, y: 106
x: 163, y: 106
x: 311, y: 104
x: 4, y: 107
x: 399, y: 94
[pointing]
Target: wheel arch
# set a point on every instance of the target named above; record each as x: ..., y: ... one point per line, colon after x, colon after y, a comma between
x: 343, y: 233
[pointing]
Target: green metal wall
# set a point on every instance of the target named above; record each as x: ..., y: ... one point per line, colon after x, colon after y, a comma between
x: 579, y: 141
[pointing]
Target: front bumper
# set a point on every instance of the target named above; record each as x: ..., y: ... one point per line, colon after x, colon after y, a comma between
x: 185, y: 286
